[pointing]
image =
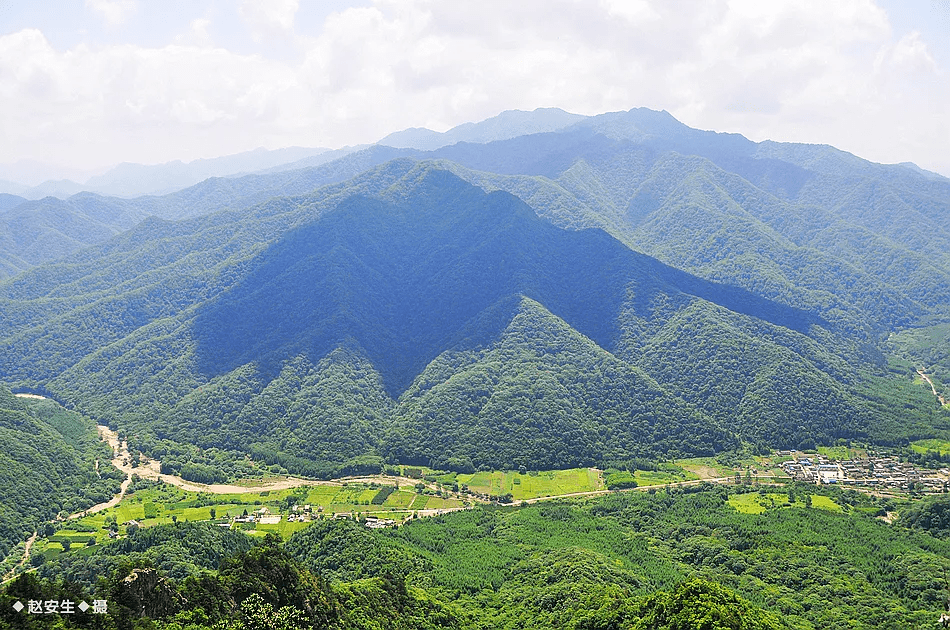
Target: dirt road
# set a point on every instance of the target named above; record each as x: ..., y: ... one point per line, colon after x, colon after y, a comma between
x: 151, y: 469
x: 26, y: 557
x: 924, y: 376
x: 114, y: 501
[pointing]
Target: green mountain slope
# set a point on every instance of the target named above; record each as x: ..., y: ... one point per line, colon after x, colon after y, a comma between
x: 47, y: 464
x: 50, y: 229
x: 771, y: 385
x: 539, y: 394
x: 407, y: 315
x: 773, y: 218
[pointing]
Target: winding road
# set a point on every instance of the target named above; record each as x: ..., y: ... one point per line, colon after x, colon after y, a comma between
x: 151, y: 469
x: 924, y: 376
x: 26, y: 556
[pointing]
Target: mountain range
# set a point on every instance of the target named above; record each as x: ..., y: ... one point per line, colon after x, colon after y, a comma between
x: 133, y: 180
x: 592, y: 291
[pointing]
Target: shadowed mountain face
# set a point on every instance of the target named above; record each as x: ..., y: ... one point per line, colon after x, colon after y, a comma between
x: 403, y: 277
x: 440, y: 323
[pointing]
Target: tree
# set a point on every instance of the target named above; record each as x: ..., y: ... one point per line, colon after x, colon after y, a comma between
x: 698, y: 603
x: 258, y: 614
x: 213, y: 513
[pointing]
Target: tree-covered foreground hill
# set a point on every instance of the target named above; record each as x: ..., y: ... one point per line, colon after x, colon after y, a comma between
x: 675, y: 559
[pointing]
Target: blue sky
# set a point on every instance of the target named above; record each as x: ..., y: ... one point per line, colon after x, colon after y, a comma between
x: 85, y: 84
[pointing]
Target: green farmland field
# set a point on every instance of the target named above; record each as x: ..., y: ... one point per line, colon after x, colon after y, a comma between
x: 534, y: 485
x: 756, y: 503
x: 163, y: 504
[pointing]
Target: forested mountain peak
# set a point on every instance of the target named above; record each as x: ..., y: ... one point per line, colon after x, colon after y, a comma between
x: 345, y: 287
x: 403, y: 276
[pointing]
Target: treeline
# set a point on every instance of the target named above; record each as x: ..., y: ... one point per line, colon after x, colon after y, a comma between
x: 931, y: 515
x: 159, y: 578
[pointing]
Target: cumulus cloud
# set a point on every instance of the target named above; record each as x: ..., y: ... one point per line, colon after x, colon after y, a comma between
x: 269, y: 17
x: 148, y: 104
x: 806, y: 70
x: 909, y: 54
x: 197, y: 33
x: 114, y: 12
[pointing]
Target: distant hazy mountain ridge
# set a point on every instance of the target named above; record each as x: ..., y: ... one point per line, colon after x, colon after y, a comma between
x: 509, y: 124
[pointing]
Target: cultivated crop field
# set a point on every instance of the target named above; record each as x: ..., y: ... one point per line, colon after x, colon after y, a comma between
x: 922, y: 446
x: 757, y: 503
x: 670, y: 474
x: 534, y: 484
x: 842, y: 452
x: 156, y: 504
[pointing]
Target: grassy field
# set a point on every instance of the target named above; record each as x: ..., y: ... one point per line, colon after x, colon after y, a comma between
x: 842, y: 452
x: 755, y: 503
x: 705, y: 467
x: 922, y: 446
x: 824, y: 503
x: 669, y: 474
x: 534, y: 484
x: 709, y: 468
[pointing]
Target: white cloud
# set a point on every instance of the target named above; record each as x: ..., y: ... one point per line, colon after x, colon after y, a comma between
x: 808, y: 70
x: 269, y: 17
x: 125, y: 102
x: 114, y: 12
x: 909, y: 55
x: 634, y: 11
x: 197, y: 33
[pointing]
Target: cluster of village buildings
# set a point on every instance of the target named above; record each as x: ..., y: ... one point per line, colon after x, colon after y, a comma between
x: 262, y: 515
x: 302, y: 514
x: 881, y: 472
